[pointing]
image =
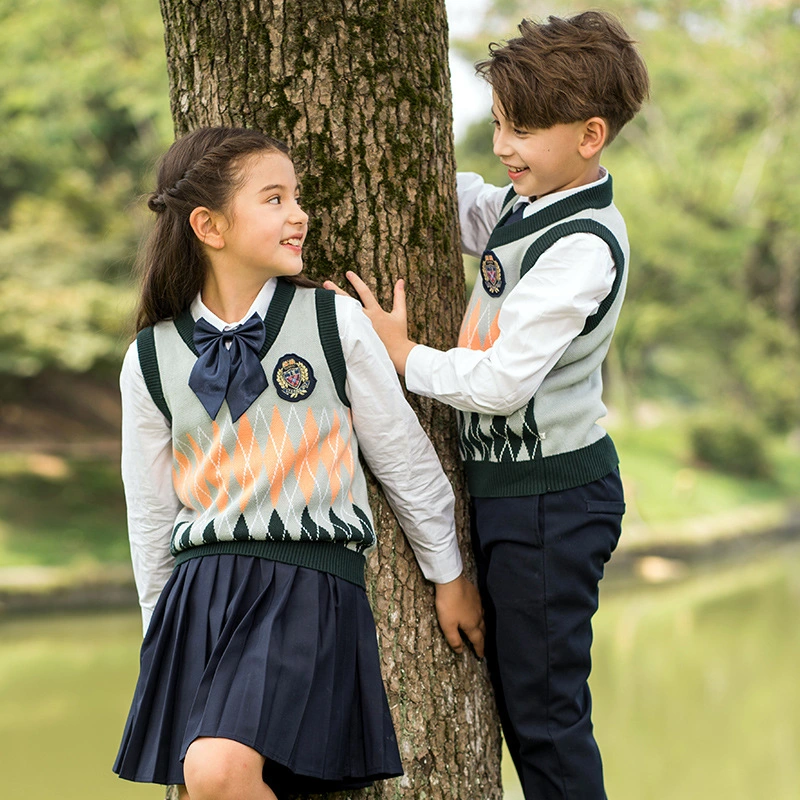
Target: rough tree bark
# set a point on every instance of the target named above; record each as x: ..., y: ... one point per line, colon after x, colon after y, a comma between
x: 360, y: 91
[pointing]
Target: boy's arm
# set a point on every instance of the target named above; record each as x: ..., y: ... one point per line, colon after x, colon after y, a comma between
x: 147, y: 479
x: 402, y: 458
x: 545, y: 311
x: 479, y: 207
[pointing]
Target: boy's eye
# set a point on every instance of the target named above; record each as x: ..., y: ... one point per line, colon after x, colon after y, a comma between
x: 298, y: 200
x: 276, y: 200
x: 518, y: 132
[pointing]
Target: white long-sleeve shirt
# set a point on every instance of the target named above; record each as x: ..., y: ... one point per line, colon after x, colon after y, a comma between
x: 394, y: 445
x: 544, y: 312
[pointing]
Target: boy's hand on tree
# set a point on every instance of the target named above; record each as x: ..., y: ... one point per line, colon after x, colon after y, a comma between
x: 459, y: 609
x: 391, y: 326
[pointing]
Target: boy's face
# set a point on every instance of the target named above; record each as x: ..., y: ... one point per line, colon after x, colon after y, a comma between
x: 542, y: 160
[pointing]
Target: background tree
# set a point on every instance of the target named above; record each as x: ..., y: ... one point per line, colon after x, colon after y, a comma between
x: 83, y: 112
x: 360, y: 91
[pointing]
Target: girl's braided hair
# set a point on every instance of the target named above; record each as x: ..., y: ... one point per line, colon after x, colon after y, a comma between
x: 202, y: 168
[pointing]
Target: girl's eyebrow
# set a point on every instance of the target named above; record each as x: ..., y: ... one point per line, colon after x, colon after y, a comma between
x: 272, y: 186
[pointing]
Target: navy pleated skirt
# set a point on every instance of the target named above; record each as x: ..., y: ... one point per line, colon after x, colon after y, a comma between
x: 283, y: 659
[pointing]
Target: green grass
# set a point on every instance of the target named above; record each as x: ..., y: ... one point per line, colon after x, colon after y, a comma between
x: 665, y: 490
x: 61, y: 511
x: 65, y: 686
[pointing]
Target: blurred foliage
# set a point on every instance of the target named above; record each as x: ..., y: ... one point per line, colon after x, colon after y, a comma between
x: 666, y: 485
x: 735, y: 445
x: 74, y: 327
x: 84, y: 112
x: 709, y: 184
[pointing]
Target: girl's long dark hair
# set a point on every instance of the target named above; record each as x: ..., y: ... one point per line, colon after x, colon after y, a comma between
x: 199, y: 169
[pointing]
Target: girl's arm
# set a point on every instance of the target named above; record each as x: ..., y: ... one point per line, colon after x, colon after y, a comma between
x: 397, y: 449
x: 402, y: 458
x: 147, y: 478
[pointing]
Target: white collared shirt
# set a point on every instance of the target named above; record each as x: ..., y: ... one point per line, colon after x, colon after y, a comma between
x: 394, y: 445
x: 544, y: 312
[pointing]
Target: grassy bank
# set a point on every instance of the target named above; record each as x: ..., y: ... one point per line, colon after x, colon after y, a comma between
x: 66, y: 509
x: 671, y: 498
x: 61, y: 510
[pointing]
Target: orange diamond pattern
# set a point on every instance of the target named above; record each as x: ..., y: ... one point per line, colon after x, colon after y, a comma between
x: 267, y: 464
x: 477, y: 319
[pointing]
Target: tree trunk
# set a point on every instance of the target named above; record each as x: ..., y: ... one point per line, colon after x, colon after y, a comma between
x: 360, y: 91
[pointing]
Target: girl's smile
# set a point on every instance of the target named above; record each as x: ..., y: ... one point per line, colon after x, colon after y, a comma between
x: 295, y: 244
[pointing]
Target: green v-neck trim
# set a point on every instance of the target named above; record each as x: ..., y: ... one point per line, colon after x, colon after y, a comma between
x: 276, y: 313
x: 273, y: 322
x: 548, y: 239
x: 600, y: 196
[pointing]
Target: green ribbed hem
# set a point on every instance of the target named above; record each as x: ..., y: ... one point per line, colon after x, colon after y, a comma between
x: 550, y: 474
x: 329, y: 557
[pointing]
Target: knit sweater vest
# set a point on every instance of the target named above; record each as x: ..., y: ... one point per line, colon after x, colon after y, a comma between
x: 553, y: 442
x: 283, y: 481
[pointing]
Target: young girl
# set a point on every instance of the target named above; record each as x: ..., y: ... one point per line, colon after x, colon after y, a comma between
x: 247, y: 506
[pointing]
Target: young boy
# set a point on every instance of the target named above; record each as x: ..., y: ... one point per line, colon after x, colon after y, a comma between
x: 547, y: 500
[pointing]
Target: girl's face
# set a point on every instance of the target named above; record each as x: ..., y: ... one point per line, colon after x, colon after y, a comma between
x: 266, y: 226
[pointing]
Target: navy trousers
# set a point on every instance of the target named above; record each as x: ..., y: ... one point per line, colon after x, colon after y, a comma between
x: 540, y: 560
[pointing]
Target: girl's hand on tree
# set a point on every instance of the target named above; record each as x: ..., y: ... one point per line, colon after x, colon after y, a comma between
x: 459, y: 609
x: 391, y: 326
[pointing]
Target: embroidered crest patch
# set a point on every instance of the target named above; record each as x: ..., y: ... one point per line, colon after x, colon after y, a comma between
x: 293, y: 378
x: 492, y: 275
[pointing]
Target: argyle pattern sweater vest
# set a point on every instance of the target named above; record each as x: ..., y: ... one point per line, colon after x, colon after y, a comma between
x: 553, y: 442
x: 283, y: 481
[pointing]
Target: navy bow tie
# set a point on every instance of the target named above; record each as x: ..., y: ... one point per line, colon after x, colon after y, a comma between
x: 230, y: 373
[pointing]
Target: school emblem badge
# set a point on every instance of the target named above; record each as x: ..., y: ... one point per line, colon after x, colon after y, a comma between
x: 293, y: 378
x: 492, y: 275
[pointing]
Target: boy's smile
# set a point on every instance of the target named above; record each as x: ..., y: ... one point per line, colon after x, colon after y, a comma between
x: 541, y: 161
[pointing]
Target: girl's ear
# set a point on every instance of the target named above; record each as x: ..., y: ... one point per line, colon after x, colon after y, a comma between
x: 595, y: 133
x: 208, y: 227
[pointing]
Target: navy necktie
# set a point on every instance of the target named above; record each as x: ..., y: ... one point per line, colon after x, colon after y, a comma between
x: 230, y: 373
x: 516, y: 214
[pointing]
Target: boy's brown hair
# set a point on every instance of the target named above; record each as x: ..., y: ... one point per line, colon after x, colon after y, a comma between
x: 568, y: 70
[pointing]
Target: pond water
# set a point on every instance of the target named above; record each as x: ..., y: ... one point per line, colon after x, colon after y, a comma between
x: 696, y: 690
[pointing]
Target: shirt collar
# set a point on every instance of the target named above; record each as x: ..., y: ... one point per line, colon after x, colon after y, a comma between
x: 259, y: 306
x: 549, y: 199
